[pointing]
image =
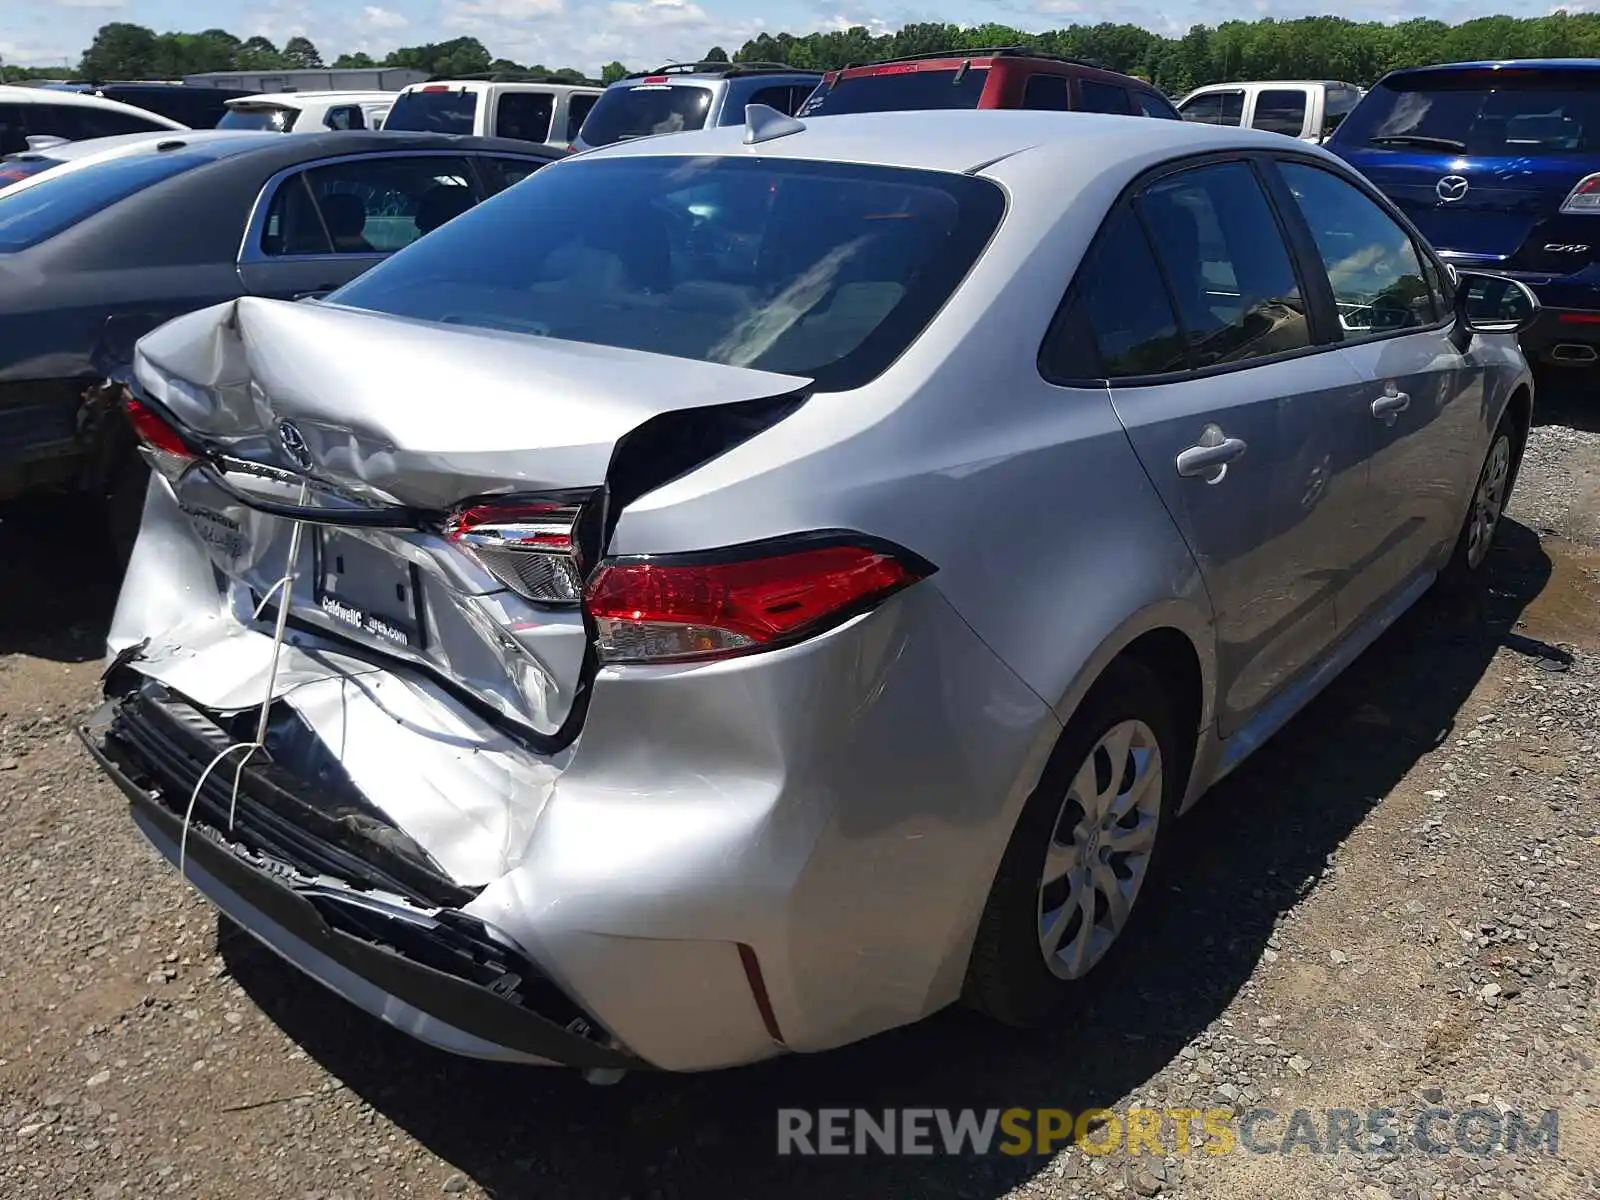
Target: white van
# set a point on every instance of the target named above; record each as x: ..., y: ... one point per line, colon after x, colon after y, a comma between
x: 307, y: 112
x: 551, y: 113
x: 1308, y: 110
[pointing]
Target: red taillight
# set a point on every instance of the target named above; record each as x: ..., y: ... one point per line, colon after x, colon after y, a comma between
x: 525, y: 544
x: 434, y: 87
x: 1579, y: 318
x: 1584, y: 198
x: 655, y: 79
x: 164, y: 445
x: 696, y: 607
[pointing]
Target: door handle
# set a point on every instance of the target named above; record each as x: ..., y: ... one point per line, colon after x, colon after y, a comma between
x: 1388, y: 407
x: 1209, y: 458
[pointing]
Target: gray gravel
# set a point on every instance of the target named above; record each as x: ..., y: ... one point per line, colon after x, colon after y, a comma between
x: 1396, y: 904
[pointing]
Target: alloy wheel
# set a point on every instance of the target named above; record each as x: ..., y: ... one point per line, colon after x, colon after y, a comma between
x: 1488, y: 501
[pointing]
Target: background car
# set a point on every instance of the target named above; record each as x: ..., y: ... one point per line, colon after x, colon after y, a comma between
x: 533, y: 110
x: 681, y: 96
x: 92, y: 257
x: 308, y: 112
x: 195, y: 107
x: 1309, y: 110
x: 23, y: 170
x: 998, y: 77
x: 1498, y: 163
x: 27, y: 112
x: 750, y: 588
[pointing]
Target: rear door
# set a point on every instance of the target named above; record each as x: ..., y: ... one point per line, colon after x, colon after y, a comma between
x: 320, y: 226
x: 1421, y: 398
x: 1284, y: 110
x: 1238, y: 411
x: 1100, y: 96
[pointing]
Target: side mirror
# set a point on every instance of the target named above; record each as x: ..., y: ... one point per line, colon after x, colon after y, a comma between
x: 1494, y: 303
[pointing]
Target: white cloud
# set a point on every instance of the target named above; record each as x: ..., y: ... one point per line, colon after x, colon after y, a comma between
x: 90, y: 3
x: 658, y: 13
x: 374, y: 17
x: 840, y: 23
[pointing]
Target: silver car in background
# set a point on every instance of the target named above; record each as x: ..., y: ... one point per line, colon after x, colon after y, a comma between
x: 740, y: 591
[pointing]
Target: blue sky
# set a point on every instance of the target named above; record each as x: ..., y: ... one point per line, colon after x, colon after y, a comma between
x: 587, y: 33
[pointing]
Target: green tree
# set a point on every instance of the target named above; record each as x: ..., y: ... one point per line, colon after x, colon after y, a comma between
x: 353, y: 62
x: 459, y: 56
x: 258, y: 54
x: 300, y: 53
x: 119, y: 51
x: 612, y: 72
x: 715, y: 54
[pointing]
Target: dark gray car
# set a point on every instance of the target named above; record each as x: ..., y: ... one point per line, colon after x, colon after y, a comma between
x: 94, y: 255
x: 683, y: 96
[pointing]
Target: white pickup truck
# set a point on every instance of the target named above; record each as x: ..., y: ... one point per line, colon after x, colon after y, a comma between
x: 1308, y: 110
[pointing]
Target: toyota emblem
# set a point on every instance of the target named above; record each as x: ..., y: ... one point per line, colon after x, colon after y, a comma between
x: 294, y: 445
x: 1451, y: 188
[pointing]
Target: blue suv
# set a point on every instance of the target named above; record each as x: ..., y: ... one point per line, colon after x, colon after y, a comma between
x: 1498, y: 164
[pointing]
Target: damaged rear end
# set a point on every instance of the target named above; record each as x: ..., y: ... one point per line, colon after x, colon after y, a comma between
x: 352, y: 654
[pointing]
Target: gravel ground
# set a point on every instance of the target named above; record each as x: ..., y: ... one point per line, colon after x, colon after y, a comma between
x: 1396, y: 904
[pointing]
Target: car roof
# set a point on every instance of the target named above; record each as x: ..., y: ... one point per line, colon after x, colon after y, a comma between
x: 293, y: 99
x: 1269, y: 83
x: 961, y: 140
x: 483, y: 85
x: 1521, y: 64
x: 11, y: 94
x: 700, y: 73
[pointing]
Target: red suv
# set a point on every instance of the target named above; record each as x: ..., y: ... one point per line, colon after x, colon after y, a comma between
x: 994, y: 77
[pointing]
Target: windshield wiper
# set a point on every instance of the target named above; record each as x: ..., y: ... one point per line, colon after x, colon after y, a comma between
x: 1417, y: 139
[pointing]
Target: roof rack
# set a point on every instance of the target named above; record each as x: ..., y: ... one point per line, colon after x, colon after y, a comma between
x: 516, y: 77
x: 986, y: 52
x: 723, y: 68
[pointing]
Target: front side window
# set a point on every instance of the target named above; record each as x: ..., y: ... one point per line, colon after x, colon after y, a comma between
x: 1095, y: 96
x: 1376, y: 273
x: 524, y: 115
x: 780, y: 98
x: 365, y: 206
x: 345, y: 116
x: 1231, y: 275
x: 1048, y: 92
x: 500, y: 173
x: 823, y: 270
x: 1280, y: 110
x: 1214, y: 108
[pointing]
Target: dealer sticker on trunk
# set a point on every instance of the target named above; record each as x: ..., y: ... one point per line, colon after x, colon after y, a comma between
x: 354, y: 617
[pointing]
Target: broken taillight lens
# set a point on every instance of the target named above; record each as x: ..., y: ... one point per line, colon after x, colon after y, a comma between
x: 526, y: 545
x: 163, y: 445
x: 707, y: 606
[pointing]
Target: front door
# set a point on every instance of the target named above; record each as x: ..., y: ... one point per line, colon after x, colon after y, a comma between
x: 1230, y: 409
x: 1419, y: 400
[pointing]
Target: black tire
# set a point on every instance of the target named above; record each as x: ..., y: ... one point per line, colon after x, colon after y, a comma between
x: 1467, y: 570
x: 1007, y: 977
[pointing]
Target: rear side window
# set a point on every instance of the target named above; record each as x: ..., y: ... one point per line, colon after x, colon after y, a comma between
x: 643, y: 110
x: 784, y: 99
x: 896, y: 90
x: 1376, y: 272
x: 78, y: 123
x: 51, y: 206
x: 823, y: 270
x: 344, y: 116
x: 500, y: 173
x: 1152, y: 105
x: 1094, y: 96
x: 1047, y: 92
x: 366, y: 206
x: 1280, y: 110
x: 1127, y: 308
x: 578, y: 106
x: 1336, y: 106
x: 1214, y: 108
x: 524, y: 115
x: 434, y: 112
x: 1230, y: 274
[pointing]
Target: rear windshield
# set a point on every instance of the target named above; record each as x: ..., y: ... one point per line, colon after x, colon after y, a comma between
x: 434, y: 112
x: 261, y: 116
x: 20, y: 166
x: 823, y: 270
x: 1501, y: 113
x: 644, y: 109
x: 897, y: 91
x: 39, y: 212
